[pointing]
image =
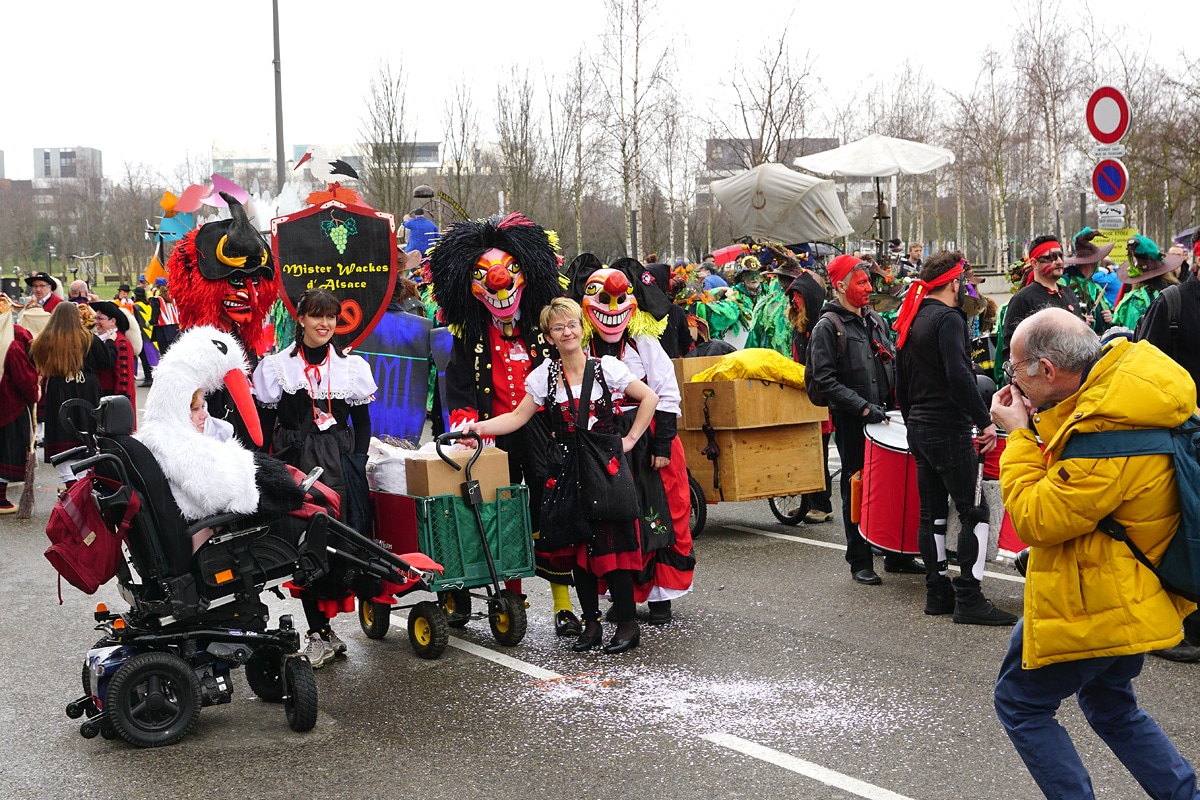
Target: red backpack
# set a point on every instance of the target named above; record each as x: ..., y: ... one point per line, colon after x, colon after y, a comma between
x: 84, y: 547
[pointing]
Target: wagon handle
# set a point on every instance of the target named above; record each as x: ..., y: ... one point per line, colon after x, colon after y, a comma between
x: 450, y: 436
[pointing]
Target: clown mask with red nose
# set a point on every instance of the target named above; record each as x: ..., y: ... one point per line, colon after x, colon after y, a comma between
x: 497, y: 281
x: 608, y: 303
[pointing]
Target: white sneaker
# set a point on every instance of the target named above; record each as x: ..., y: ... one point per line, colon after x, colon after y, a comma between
x: 317, y: 651
x: 335, y: 644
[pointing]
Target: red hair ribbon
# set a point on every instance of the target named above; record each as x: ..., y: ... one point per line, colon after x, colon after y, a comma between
x: 916, y: 295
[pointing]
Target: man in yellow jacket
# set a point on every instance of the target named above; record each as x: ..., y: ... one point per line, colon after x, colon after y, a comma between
x: 1092, y: 611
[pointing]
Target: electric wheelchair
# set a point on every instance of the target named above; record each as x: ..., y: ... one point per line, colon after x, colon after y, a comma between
x: 194, y: 617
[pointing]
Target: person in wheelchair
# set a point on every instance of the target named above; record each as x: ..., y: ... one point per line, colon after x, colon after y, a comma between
x: 209, y: 526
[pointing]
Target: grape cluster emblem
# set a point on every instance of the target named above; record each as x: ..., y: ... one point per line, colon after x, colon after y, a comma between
x: 339, y: 232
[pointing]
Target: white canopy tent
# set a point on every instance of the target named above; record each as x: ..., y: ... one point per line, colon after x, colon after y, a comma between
x: 877, y: 156
x: 772, y: 201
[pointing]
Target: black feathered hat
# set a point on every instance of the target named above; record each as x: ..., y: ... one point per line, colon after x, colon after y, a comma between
x: 232, y: 246
x: 578, y: 273
x: 453, y: 258
x: 651, y: 299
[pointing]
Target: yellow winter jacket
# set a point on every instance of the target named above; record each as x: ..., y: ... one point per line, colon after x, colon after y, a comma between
x: 1086, y: 596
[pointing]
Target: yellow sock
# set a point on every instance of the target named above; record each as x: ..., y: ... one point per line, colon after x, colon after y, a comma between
x: 561, y: 594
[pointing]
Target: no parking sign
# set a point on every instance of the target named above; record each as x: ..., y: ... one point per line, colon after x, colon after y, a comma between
x: 1110, y: 180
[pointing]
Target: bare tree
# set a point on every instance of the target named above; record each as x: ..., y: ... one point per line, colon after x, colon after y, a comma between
x: 679, y: 162
x: 1046, y: 57
x: 907, y: 107
x: 631, y: 78
x: 987, y: 130
x: 773, y: 96
x: 192, y: 168
x: 521, y: 146
x: 387, y: 141
x: 462, y: 156
x: 134, y: 199
x: 580, y: 135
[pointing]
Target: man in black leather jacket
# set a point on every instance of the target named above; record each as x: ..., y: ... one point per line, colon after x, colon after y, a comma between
x: 851, y: 362
x: 941, y: 402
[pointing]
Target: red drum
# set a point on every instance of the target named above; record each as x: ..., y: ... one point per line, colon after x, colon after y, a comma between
x: 991, y: 462
x: 891, y: 507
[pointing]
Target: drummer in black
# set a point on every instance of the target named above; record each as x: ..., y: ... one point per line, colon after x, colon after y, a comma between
x: 937, y: 392
x: 1042, y: 290
x: 850, y: 365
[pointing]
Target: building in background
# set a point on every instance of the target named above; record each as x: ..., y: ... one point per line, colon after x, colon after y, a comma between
x: 80, y: 163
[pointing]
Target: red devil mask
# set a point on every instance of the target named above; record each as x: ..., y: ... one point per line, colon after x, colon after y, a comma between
x: 497, y: 282
x: 608, y: 303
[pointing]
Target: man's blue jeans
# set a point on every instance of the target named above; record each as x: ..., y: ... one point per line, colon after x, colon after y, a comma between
x: 1026, y: 702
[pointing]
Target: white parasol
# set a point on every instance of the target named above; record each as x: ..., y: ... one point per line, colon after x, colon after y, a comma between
x: 775, y: 202
x: 877, y: 156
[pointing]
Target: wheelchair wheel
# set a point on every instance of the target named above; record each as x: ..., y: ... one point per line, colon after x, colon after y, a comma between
x: 508, y: 626
x: 699, y: 506
x: 262, y: 673
x: 153, y: 700
x: 428, y: 630
x: 374, y: 618
x: 300, y: 694
x: 789, y: 509
x: 457, y: 605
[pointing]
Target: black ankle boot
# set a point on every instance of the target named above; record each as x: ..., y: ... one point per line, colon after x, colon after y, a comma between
x: 660, y: 612
x: 624, y: 641
x: 591, y: 637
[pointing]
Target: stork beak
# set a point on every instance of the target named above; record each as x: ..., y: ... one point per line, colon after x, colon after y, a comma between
x: 302, y: 160
x: 239, y: 390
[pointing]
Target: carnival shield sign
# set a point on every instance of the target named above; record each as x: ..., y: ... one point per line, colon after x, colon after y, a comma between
x: 348, y: 250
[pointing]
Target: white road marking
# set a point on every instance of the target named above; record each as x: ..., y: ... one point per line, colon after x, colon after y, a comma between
x: 800, y: 766
x: 1000, y: 576
x: 515, y: 664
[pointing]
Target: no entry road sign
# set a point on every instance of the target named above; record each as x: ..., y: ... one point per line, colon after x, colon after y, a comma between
x: 1107, y: 115
x: 1110, y: 180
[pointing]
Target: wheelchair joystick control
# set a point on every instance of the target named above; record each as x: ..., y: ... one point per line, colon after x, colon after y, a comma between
x: 285, y: 622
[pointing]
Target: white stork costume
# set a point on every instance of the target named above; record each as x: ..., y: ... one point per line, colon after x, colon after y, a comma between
x: 207, y: 476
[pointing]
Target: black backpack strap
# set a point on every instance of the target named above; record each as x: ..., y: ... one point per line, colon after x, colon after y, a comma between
x: 1173, y: 298
x: 1115, y: 444
x: 839, y: 328
x: 1115, y: 530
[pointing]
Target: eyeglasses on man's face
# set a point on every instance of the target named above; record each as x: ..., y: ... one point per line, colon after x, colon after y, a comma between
x: 1011, y: 366
x: 1051, y: 257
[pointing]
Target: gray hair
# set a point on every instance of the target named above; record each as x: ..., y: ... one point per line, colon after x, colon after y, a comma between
x: 1061, y: 338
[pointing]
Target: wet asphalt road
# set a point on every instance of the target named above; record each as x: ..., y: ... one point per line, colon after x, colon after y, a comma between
x: 776, y: 647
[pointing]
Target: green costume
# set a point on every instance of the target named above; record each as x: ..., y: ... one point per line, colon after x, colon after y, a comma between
x: 1132, y: 306
x: 1091, y: 294
x: 769, y: 326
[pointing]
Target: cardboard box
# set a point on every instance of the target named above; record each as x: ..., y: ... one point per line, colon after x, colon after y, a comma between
x: 429, y: 476
x: 757, y: 463
x: 741, y: 404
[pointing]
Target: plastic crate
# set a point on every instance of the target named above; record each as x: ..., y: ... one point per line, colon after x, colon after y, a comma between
x: 445, y: 530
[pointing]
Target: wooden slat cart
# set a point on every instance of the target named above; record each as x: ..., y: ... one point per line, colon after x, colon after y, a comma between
x: 768, y: 436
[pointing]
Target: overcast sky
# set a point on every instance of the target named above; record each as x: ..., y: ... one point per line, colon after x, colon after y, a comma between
x: 152, y: 81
